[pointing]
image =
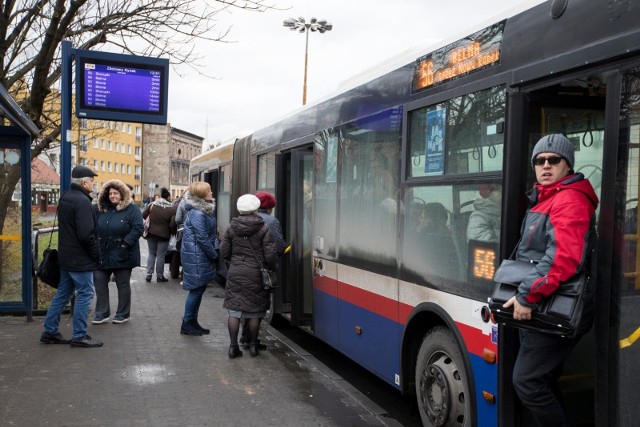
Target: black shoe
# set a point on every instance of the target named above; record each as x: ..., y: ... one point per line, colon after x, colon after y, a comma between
x: 162, y: 279
x: 205, y: 331
x: 85, y: 341
x: 259, y: 344
x: 234, y: 351
x: 148, y: 278
x: 49, y: 338
x: 188, y: 328
x: 253, y: 350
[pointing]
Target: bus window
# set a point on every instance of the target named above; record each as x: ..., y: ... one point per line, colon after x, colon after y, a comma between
x: 462, y: 135
x: 368, y: 186
x: 267, y: 170
x: 435, y: 245
x: 324, y: 193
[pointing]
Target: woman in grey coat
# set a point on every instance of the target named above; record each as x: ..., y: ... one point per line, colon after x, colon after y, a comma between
x: 247, y: 238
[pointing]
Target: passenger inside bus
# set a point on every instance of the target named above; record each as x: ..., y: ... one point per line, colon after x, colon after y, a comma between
x: 484, y: 221
x: 434, y: 241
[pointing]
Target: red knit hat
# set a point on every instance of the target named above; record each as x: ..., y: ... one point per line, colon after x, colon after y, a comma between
x: 267, y: 201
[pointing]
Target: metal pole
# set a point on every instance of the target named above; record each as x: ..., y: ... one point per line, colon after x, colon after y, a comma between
x: 306, y: 59
x: 65, y: 131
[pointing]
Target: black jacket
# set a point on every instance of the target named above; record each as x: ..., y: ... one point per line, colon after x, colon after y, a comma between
x: 77, y: 234
x: 119, y: 228
x: 243, y: 291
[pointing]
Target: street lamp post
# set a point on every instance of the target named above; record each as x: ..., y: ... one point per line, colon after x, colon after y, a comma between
x: 301, y: 26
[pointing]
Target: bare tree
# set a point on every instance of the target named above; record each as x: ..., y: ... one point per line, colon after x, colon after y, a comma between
x: 31, y: 32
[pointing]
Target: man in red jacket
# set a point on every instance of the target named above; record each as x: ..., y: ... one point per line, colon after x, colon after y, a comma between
x: 555, y: 235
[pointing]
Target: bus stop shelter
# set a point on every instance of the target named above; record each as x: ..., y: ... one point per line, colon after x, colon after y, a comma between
x: 16, y: 261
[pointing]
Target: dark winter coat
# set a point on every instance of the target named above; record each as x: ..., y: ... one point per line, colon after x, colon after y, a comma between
x: 556, y: 233
x: 276, y: 230
x: 77, y: 234
x: 161, y: 212
x: 243, y: 291
x: 119, y: 228
x: 199, y: 244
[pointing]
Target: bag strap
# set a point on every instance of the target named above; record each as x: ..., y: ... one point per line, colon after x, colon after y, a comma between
x: 253, y: 251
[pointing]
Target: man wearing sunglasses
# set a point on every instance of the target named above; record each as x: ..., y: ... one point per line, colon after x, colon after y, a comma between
x: 556, y: 233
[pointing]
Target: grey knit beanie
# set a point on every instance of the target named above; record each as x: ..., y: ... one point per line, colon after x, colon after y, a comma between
x: 554, y: 143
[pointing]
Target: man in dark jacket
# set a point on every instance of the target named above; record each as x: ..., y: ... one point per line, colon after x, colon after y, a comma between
x: 556, y: 236
x: 79, y: 256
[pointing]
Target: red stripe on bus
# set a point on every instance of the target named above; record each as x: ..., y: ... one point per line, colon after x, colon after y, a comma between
x: 474, y: 339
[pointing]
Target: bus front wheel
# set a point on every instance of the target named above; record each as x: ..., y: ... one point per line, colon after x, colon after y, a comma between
x: 442, y: 387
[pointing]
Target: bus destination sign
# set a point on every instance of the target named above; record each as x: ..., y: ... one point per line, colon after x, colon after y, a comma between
x: 476, y: 52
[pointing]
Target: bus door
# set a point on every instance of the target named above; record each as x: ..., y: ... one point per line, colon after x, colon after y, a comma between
x: 293, y: 299
x: 599, y: 112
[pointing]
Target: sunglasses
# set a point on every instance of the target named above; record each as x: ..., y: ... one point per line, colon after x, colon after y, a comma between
x: 553, y: 160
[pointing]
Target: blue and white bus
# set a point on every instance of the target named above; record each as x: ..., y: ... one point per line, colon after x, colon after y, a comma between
x: 360, y: 175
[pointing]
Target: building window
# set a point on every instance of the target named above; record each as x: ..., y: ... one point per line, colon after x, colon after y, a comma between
x: 102, y: 165
x: 95, y: 142
x: 102, y: 144
x: 109, y: 167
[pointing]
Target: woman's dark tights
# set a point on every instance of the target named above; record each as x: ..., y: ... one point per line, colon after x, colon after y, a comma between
x: 234, y: 327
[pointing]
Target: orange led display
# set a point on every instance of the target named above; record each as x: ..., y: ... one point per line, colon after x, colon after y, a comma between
x: 475, y: 52
x: 484, y: 263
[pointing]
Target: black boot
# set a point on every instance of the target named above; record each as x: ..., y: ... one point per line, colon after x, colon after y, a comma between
x: 188, y: 328
x: 234, y: 351
x: 205, y: 331
x: 253, y: 349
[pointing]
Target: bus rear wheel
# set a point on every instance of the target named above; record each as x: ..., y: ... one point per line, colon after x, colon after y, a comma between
x: 442, y: 387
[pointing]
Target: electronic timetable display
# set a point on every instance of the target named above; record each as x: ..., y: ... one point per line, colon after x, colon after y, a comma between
x: 121, y: 87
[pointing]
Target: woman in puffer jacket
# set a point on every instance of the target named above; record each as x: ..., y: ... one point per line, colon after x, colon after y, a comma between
x: 119, y: 229
x: 199, y: 253
x: 247, y: 238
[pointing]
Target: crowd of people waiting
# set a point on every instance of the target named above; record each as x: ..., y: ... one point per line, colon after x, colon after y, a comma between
x: 99, y: 243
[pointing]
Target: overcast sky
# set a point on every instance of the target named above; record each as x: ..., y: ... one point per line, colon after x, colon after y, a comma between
x: 259, y: 77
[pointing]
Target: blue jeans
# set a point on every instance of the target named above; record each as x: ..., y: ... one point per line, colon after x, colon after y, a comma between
x: 192, y: 304
x: 157, y: 251
x: 82, y: 283
x: 535, y: 376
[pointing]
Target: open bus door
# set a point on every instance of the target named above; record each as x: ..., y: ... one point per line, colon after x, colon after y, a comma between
x: 292, y: 298
x: 598, y: 111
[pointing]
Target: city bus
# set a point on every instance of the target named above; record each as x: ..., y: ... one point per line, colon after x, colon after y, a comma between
x: 360, y: 175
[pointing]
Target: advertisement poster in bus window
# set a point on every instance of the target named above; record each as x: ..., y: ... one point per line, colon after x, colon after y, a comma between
x: 434, y: 143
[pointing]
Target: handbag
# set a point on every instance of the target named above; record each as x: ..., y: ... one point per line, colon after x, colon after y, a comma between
x: 147, y: 223
x: 559, y: 314
x: 269, y: 278
x: 49, y: 268
x: 173, y: 240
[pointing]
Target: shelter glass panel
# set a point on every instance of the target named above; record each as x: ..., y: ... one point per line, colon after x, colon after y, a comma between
x: 11, y: 222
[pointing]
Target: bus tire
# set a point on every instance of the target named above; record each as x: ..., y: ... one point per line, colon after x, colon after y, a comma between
x: 442, y: 386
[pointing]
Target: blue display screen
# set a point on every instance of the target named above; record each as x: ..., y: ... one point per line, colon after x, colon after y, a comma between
x: 121, y: 87
x: 125, y: 88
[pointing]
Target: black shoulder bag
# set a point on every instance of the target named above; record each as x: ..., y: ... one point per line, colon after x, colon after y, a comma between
x: 559, y: 314
x: 269, y: 279
x: 49, y: 267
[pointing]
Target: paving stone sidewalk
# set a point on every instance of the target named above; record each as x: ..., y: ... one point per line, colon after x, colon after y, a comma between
x: 147, y: 374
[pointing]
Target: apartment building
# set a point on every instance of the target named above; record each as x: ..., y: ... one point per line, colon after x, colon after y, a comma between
x: 112, y: 149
